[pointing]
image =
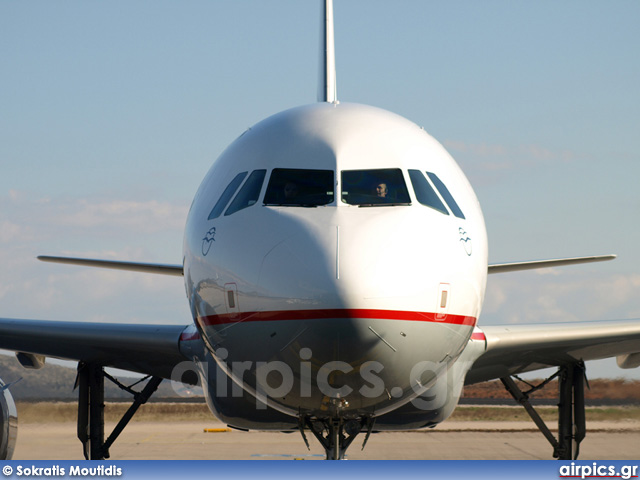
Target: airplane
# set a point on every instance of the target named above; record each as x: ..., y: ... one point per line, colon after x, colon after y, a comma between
x: 335, y: 264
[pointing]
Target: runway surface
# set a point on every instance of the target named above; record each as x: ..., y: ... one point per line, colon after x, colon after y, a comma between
x: 457, y: 440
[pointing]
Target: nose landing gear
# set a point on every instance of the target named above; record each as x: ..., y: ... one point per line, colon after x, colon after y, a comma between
x: 336, y: 434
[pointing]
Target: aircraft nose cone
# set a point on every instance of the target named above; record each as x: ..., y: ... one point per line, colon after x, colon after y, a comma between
x: 335, y: 318
x: 340, y: 316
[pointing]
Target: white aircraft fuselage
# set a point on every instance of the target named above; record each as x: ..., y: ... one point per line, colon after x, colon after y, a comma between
x: 319, y: 290
x: 335, y: 261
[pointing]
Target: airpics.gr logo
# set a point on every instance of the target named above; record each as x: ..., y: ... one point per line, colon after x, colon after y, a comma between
x: 466, y: 240
x: 208, y: 240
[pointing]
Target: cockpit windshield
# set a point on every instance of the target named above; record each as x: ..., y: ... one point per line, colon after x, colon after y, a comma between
x: 300, y: 187
x: 372, y: 188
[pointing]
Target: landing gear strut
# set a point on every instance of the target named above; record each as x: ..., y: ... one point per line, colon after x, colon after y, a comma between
x: 336, y: 434
x: 571, y: 410
x: 90, y: 383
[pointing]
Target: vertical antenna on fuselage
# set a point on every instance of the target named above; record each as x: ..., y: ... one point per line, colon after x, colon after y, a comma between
x: 327, y: 86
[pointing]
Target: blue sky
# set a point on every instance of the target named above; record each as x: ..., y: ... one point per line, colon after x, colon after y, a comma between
x: 112, y: 112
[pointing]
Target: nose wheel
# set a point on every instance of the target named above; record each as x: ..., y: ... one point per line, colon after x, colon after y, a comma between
x: 336, y: 434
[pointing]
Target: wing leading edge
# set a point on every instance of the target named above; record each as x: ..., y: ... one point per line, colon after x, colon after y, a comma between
x: 514, y: 349
x: 556, y: 262
x: 147, y: 349
x: 157, y: 268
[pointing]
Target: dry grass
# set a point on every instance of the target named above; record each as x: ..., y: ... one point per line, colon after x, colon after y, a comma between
x: 548, y: 414
x: 58, y: 412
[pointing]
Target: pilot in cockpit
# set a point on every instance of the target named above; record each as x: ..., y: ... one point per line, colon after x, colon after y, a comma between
x: 382, y: 190
x: 290, y: 192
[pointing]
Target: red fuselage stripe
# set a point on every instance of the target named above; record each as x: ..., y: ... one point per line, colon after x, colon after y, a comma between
x: 186, y: 336
x: 273, y: 316
x: 478, y: 336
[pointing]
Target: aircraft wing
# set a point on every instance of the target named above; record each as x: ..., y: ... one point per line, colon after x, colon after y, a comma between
x: 556, y: 262
x: 147, y: 349
x: 513, y: 349
x: 157, y: 268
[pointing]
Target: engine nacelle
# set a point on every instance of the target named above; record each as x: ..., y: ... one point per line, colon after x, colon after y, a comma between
x: 8, y: 423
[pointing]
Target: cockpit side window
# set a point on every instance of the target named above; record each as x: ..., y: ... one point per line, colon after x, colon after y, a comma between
x: 249, y: 193
x: 300, y: 187
x: 444, y: 191
x: 425, y: 193
x: 370, y: 188
x: 226, y: 195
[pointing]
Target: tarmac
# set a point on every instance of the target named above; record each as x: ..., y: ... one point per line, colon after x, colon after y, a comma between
x: 449, y: 441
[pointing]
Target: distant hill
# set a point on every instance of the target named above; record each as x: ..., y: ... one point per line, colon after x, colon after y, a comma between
x: 56, y: 382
